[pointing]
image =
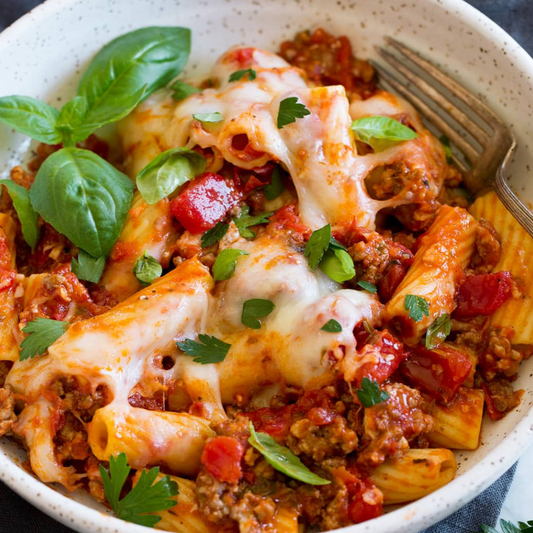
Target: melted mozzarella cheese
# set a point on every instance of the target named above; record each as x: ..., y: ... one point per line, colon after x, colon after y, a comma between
x: 290, y: 344
x: 317, y: 150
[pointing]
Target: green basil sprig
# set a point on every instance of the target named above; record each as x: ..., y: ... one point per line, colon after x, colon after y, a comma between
x: 129, y: 69
x: 83, y: 197
x: 30, y: 117
x: 283, y: 459
x: 168, y: 171
x: 417, y: 306
x: 381, y: 132
x: 77, y: 192
x: 27, y: 215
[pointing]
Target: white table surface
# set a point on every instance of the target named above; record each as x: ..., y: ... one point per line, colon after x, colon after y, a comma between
x: 518, y: 505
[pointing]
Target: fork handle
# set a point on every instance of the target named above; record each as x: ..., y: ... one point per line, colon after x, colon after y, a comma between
x: 513, y: 204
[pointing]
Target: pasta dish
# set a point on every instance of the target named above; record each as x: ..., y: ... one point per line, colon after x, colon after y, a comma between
x: 262, y: 302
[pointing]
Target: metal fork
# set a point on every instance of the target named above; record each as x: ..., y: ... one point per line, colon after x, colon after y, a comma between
x: 487, y: 166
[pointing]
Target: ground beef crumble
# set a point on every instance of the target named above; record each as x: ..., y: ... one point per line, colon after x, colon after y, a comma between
x: 7, y: 411
x: 390, y: 425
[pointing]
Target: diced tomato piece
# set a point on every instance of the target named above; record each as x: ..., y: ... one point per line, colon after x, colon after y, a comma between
x: 320, y: 416
x: 389, y: 353
x: 204, y: 202
x: 483, y: 294
x: 439, y: 372
x: 365, y: 499
x: 275, y: 422
x: 493, y: 413
x: 222, y: 459
x: 241, y: 56
x: 286, y: 219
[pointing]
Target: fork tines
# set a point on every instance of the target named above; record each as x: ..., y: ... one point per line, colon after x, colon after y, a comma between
x: 484, y: 137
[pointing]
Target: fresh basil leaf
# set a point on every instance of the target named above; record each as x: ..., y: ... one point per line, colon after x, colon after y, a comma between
x: 250, y: 72
x: 144, y: 497
x: 87, y: 267
x: 225, y: 263
x: 438, y: 331
x: 275, y: 188
x: 71, y: 122
x: 168, y: 171
x: 42, y: 333
x: 130, y: 68
x: 30, y: 117
x: 208, y: 350
x: 147, y: 269
x: 254, y: 309
x: 289, y: 110
x: 209, y: 117
x: 447, y: 149
x: 244, y: 221
x: 370, y: 394
x: 27, y: 215
x: 214, y: 234
x: 370, y: 287
x: 417, y: 307
x: 182, y: 90
x: 317, y: 245
x: 332, y: 326
x: 381, y: 132
x: 83, y: 197
x: 337, y: 265
x: 282, y: 459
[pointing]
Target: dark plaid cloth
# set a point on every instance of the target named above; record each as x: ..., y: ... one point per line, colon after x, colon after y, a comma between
x: 19, y: 516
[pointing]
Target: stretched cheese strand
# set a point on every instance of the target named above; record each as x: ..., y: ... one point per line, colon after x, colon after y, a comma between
x: 318, y: 150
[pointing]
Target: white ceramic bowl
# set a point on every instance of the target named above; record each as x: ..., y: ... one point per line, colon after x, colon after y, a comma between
x: 42, y: 54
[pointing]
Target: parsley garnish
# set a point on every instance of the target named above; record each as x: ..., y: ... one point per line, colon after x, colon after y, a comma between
x: 244, y: 221
x: 225, y: 263
x: 370, y: 394
x: 275, y: 187
x: 332, y: 326
x: 370, y: 287
x: 509, y: 527
x: 208, y: 350
x: 250, y: 72
x: 209, y: 117
x: 317, y: 245
x: 283, y: 459
x: 438, y: 331
x: 289, y: 110
x: 147, y: 269
x: 214, y: 234
x: 145, y: 497
x: 324, y: 251
x: 42, y: 333
x: 417, y: 307
x: 338, y: 265
x: 254, y: 309
x: 87, y: 267
x: 182, y: 90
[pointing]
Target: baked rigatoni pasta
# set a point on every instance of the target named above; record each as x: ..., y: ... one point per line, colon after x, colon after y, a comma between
x: 271, y: 300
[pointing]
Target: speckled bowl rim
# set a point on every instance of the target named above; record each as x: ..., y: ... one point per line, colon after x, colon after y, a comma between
x: 408, y: 519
